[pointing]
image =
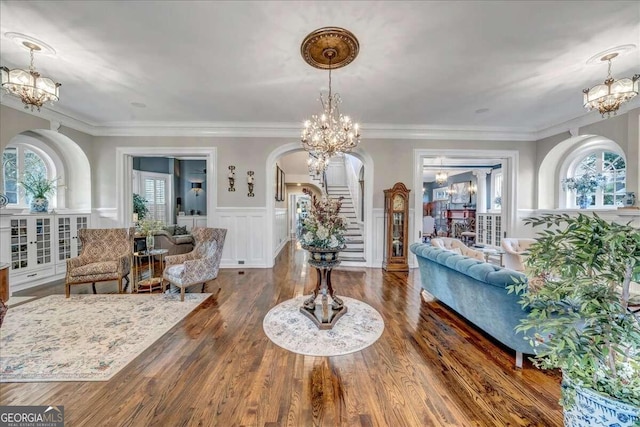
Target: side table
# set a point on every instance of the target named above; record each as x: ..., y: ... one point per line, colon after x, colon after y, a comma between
x: 153, y: 281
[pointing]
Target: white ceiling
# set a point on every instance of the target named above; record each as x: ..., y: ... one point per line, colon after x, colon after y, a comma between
x: 420, y: 64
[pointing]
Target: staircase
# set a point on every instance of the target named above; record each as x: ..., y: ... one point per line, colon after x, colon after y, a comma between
x: 353, y: 255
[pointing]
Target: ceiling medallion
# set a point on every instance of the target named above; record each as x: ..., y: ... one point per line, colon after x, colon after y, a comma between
x: 329, y: 133
x: 610, y: 95
x: 344, y: 44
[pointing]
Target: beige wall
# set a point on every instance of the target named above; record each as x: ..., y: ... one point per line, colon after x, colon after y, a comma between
x: 244, y: 153
x: 393, y: 159
x: 13, y: 122
x: 622, y: 129
x: 394, y: 163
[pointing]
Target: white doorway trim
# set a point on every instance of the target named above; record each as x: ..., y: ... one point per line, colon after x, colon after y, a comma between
x: 367, y: 161
x: 124, y: 176
x: 510, y: 160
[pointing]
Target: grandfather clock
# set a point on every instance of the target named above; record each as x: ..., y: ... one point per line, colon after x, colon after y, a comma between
x: 396, y: 228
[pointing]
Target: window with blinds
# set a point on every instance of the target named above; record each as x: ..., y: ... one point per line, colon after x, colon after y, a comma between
x: 155, y: 191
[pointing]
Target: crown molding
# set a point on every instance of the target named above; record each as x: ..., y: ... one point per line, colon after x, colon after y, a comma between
x: 292, y: 130
x: 588, y: 118
x: 49, y: 114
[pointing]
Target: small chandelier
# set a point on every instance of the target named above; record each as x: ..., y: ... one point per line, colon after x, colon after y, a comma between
x: 317, y: 163
x: 28, y: 85
x: 329, y: 133
x: 608, y: 97
x: 441, y: 176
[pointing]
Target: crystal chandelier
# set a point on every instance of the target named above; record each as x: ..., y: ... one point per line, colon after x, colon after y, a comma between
x: 317, y: 163
x: 28, y: 85
x: 441, y: 176
x: 329, y: 133
x: 608, y: 97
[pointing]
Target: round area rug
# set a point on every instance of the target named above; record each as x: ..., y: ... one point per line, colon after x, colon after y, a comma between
x: 357, y: 329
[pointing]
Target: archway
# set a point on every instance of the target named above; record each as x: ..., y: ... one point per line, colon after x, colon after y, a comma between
x: 365, y: 158
x: 71, y: 163
x: 554, y: 166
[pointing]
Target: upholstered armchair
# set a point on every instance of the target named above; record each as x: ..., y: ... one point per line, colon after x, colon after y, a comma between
x: 106, y: 256
x: 198, y: 266
x: 515, y: 252
x: 455, y: 245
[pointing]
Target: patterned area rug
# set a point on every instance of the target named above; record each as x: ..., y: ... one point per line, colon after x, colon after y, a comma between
x: 357, y: 329
x: 85, y: 337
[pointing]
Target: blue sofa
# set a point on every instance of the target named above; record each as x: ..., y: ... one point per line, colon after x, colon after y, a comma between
x: 475, y: 290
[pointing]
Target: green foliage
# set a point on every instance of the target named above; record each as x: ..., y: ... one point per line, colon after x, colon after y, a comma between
x: 148, y: 227
x: 579, y: 319
x: 140, y: 206
x: 37, y: 185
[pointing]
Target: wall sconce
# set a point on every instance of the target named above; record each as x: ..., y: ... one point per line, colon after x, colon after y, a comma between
x: 232, y: 178
x: 250, y: 183
x: 196, y: 187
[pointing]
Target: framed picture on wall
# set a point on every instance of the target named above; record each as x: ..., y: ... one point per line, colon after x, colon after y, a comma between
x: 460, y: 192
x: 278, y: 183
x: 441, y: 193
x: 282, y: 186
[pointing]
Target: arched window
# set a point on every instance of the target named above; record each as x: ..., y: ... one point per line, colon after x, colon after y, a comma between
x: 18, y: 159
x: 612, y: 166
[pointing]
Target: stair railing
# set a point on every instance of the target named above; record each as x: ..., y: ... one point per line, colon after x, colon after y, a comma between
x: 354, y: 186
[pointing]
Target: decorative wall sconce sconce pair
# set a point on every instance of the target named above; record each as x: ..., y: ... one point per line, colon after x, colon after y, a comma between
x: 250, y: 183
x: 232, y: 178
x: 232, y: 181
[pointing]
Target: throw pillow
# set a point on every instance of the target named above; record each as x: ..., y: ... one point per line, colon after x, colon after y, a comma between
x: 455, y: 250
x: 180, y: 230
x: 170, y: 230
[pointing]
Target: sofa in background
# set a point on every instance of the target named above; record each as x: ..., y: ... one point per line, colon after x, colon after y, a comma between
x: 456, y: 245
x: 477, y: 291
x: 174, y: 242
x: 515, y: 252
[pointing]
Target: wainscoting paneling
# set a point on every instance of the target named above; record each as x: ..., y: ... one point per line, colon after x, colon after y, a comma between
x: 245, y: 237
x: 281, y: 236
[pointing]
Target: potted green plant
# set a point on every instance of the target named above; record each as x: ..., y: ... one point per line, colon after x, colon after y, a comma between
x: 581, y: 315
x: 38, y: 188
x: 140, y: 206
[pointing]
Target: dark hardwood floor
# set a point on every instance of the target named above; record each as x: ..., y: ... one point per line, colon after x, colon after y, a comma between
x: 218, y: 368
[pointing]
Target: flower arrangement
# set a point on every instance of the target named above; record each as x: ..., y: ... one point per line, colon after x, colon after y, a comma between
x: 324, y: 227
x: 585, y: 184
x: 37, y: 185
x: 581, y: 319
x: 149, y: 227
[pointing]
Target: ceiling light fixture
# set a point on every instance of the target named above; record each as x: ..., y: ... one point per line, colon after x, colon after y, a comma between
x: 33, y: 89
x: 441, y: 176
x: 608, y: 97
x: 329, y: 133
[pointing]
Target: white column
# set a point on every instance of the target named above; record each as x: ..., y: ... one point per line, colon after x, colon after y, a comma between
x: 481, y: 189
